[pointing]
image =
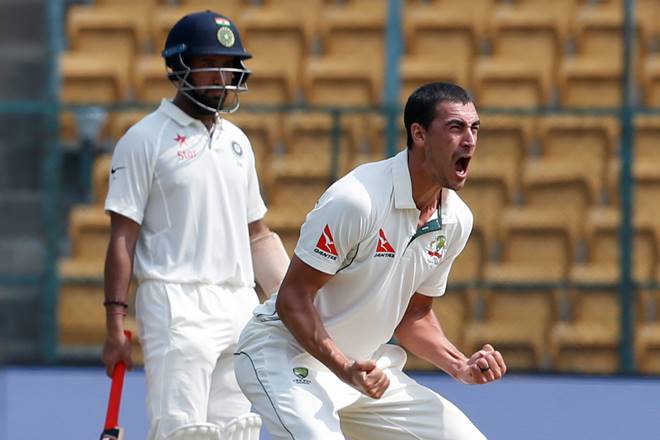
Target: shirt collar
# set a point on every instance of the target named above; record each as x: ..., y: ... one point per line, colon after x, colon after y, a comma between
x: 179, y: 116
x: 402, y: 184
x: 403, y: 198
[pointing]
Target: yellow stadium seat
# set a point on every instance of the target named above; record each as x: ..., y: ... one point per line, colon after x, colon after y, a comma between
x: 517, y: 31
x: 350, y: 70
x: 264, y: 130
x: 286, y: 213
x: 442, y: 35
x: 108, y: 30
x: 487, y: 197
x: 92, y: 78
x: 589, y: 341
x: 536, y: 247
x: 559, y: 191
x: 278, y: 41
x: 150, y: 79
x: 567, y: 140
x: 502, y: 147
x: 647, y: 335
x: 504, y: 83
x: 589, y: 83
x: 308, y: 139
x: 416, y: 71
x: 516, y: 323
x: 89, y: 231
x: 647, y: 138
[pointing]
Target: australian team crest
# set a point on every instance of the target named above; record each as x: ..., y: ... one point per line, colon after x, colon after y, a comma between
x: 435, y: 250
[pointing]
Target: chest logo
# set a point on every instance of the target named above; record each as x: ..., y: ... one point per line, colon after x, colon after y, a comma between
x: 326, y: 244
x: 237, y: 149
x: 384, y: 248
x: 183, y: 153
x: 435, y: 250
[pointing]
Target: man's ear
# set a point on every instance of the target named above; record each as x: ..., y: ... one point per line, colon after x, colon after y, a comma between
x: 418, y: 133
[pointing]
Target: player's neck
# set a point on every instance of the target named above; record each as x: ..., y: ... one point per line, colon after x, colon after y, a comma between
x: 425, y: 192
x: 192, y: 110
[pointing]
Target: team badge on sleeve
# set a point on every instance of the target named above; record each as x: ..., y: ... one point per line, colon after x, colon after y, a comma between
x: 326, y: 244
x: 435, y: 250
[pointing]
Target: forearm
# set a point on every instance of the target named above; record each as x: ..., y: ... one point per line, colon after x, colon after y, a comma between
x: 424, y: 338
x: 118, y: 271
x: 304, y: 322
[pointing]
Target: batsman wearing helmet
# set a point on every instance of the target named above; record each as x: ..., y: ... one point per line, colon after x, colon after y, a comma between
x: 186, y: 217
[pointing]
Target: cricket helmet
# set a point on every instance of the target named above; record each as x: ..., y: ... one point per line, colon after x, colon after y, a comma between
x: 206, y: 33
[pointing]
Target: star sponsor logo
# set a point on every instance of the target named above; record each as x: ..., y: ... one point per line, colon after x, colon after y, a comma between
x: 384, y: 248
x: 301, y: 374
x: 326, y: 244
x: 435, y: 250
x: 183, y: 153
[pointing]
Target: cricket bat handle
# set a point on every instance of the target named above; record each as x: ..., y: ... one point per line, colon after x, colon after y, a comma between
x: 112, y: 416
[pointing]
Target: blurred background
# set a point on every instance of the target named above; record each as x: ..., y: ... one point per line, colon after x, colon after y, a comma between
x: 561, y: 271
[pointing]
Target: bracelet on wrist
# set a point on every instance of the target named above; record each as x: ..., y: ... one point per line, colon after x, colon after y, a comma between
x: 107, y: 303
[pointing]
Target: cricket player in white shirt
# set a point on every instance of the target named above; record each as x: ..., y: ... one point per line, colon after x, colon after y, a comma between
x: 374, y: 252
x: 186, y: 217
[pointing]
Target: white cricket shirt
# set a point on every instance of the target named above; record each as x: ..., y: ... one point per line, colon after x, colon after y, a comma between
x: 192, y: 192
x: 364, y: 231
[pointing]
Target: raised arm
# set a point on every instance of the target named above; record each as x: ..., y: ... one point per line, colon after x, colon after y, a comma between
x: 295, y: 307
x: 420, y: 332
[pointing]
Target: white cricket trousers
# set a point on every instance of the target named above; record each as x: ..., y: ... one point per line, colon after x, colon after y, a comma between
x: 300, y: 399
x: 188, y: 334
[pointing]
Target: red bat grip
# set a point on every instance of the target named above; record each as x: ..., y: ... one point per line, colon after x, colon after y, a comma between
x: 112, y: 416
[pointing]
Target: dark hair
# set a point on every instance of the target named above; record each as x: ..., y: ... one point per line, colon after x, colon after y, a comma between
x: 422, y: 103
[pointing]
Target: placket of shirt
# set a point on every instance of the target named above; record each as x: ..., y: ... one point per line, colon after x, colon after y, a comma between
x: 430, y: 226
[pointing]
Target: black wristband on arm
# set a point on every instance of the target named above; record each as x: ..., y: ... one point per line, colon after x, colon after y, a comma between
x: 107, y: 303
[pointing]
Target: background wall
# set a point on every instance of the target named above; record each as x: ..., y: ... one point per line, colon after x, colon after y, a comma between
x: 69, y: 403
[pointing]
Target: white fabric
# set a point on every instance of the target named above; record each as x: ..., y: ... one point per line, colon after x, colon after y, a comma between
x: 206, y: 431
x: 188, y: 334
x: 246, y: 427
x: 360, y: 231
x: 315, y: 405
x: 193, y: 194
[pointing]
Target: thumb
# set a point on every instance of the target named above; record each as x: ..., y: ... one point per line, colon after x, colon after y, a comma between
x: 366, y: 366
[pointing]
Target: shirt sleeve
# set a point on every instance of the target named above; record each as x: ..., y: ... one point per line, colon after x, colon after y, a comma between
x: 436, y: 283
x: 333, y: 228
x: 256, y: 208
x: 131, y: 176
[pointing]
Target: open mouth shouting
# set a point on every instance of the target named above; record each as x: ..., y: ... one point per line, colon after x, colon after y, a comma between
x: 461, y: 166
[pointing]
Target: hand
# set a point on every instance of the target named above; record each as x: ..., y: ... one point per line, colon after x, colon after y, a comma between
x: 486, y: 365
x: 365, y: 377
x: 116, y: 348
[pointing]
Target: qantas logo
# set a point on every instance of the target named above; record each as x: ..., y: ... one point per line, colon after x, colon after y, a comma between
x: 326, y: 244
x: 384, y: 248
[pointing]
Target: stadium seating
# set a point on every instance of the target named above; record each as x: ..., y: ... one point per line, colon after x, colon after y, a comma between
x: 108, y: 30
x: 647, y: 335
x: 92, y: 78
x: 505, y: 78
x: 442, y: 37
x: 150, y: 80
x: 264, y: 130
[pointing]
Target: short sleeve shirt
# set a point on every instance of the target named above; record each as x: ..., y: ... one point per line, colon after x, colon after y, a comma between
x: 193, y: 193
x: 364, y: 231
